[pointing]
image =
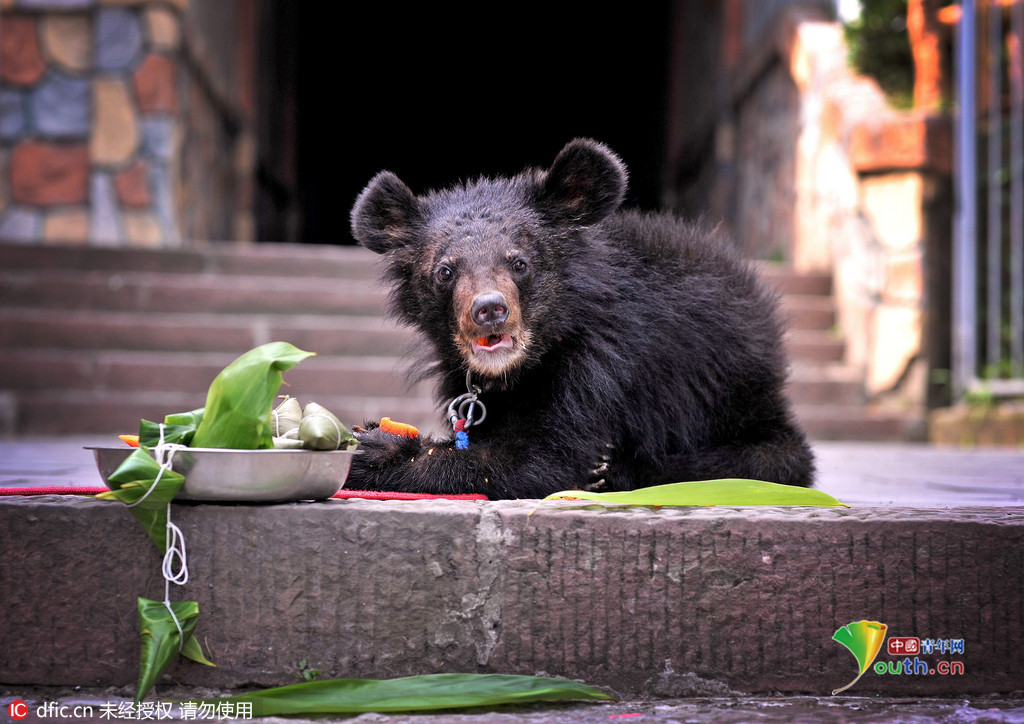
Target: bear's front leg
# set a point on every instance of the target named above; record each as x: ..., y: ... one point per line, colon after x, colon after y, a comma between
x: 498, y: 469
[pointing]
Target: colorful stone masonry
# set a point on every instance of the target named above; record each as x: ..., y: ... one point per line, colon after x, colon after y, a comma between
x: 94, y: 101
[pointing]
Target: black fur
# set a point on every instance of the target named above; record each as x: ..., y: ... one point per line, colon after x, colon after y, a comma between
x: 639, y: 349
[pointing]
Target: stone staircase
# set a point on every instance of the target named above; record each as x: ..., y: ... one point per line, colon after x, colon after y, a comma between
x: 828, y: 394
x: 93, y: 339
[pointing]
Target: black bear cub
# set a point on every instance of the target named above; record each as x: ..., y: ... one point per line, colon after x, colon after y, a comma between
x: 584, y: 346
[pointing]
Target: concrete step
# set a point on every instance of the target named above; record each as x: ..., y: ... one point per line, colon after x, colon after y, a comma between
x: 210, y: 332
x: 192, y: 372
x: 787, y: 281
x: 301, y: 260
x: 806, y: 312
x: 818, y: 346
x: 129, y: 323
x: 702, y: 601
x: 358, y: 335
x: 832, y: 384
x: 859, y: 422
x: 181, y: 293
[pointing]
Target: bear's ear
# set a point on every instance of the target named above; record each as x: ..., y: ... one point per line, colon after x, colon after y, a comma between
x: 386, y: 214
x: 586, y: 183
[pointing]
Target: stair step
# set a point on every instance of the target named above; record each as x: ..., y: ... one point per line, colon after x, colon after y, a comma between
x: 200, y: 332
x: 857, y: 422
x: 63, y: 412
x: 92, y: 339
x: 334, y: 262
x: 804, y: 311
x: 787, y: 281
x: 192, y: 372
x: 150, y: 292
x: 825, y: 385
x: 813, y: 345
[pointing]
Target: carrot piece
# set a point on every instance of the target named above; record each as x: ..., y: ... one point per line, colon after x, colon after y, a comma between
x: 398, y: 428
x: 132, y: 440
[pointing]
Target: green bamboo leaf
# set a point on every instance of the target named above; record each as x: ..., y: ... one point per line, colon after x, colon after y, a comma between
x: 192, y: 650
x: 131, y: 484
x: 240, y: 398
x: 161, y: 640
x: 179, y: 428
x: 729, y: 491
x: 412, y: 693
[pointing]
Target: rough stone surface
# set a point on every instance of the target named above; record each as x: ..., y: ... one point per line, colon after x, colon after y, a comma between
x: 695, y: 706
x: 67, y: 39
x: 162, y: 27
x: 60, y: 106
x: 13, y: 122
x: 21, y: 62
x: 998, y: 425
x: 118, y: 38
x: 918, y: 141
x: 132, y: 186
x: 887, y: 199
x: 142, y: 229
x: 105, y: 218
x: 155, y: 84
x: 622, y: 598
x: 897, y: 341
x: 66, y: 226
x: 767, y: 128
x: 49, y: 174
x: 157, y: 138
x: 904, y: 282
x: 4, y: 193
x: 115, y: 130
x: 56, y: 4
x: 163, y: 202
x: 19, y: 224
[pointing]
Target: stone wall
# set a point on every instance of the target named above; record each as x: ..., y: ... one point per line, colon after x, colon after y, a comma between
x: 105, y: 113
x: 842, y: 182
x: 646, y: 601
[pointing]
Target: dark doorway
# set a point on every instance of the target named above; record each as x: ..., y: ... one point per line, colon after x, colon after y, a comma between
x: 438, y: 97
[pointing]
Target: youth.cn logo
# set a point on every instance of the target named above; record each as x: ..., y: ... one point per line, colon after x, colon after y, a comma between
x: 864, y: 640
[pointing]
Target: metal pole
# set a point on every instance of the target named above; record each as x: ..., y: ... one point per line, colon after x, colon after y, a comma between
x: 994, y: 172
x: 964, y: 249
x: 1016, y: 75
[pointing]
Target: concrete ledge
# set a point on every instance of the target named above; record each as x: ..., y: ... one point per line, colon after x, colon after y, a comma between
x: 664, y: 602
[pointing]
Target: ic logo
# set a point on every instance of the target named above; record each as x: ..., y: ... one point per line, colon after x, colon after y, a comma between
x: 18, y: 710
x: 901, y: 645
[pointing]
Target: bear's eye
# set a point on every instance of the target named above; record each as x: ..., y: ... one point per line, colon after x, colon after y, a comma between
x: 519, y: 266
x: 443, y: 274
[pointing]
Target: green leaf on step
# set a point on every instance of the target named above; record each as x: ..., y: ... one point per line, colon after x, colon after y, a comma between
x: 240, y: 398
x: 729, y: 491
x: 412, y: 693
x: 161, y: 639
x: 133, y: 484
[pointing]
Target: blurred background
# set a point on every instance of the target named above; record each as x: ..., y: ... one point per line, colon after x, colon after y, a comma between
x: 176, y: 178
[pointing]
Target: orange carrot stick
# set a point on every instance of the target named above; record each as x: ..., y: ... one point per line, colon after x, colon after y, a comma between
x: 132, y: 440
x: 398, y: 428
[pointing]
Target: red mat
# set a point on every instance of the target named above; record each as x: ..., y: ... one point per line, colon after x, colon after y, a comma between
x: 366, y: 494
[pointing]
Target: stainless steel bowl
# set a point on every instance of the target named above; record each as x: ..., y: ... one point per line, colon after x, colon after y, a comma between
x: 213, y: 474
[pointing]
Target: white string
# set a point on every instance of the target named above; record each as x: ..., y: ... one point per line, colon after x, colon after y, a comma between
x: 174, y: 541
x: 164, y: 454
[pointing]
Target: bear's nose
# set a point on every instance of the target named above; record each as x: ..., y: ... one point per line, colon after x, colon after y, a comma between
x: 490, y: 308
